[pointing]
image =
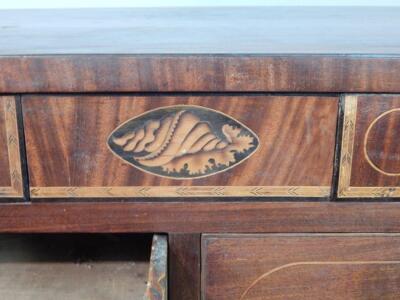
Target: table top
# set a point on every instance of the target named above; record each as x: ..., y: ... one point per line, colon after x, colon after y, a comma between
x: 240, y: 30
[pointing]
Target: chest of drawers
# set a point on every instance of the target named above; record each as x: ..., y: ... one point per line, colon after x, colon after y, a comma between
x: 263, y: 142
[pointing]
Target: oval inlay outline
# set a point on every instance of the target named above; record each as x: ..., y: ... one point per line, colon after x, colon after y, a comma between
x: 183, y: 142
x: 367, y: 157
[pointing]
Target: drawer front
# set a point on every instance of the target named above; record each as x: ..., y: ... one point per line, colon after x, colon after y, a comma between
x: 370, y: 152
x: 180, y: 146
x: 11, y: 185
x: 249, y: 267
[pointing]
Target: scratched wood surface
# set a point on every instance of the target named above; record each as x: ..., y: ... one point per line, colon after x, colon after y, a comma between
x: 68, y: 156
x: 200, y: 73
x: 250, y: 267
x: 370, y: 159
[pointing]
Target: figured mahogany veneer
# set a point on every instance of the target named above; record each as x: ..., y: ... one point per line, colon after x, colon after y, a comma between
x: 370, y: 154
x: 257, y: 267
x: 199, y: 73
x: 11, y: 185
x: 213, y: 120
x: 92, y: 146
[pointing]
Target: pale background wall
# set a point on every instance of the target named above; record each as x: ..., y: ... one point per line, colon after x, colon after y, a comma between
x: 21, y: 4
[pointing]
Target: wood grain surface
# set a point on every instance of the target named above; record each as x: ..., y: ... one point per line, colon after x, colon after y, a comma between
x: 11, y: 185
x: 184, y: 266
x: 318, y: 30
x: 370, y: 159
x: 68, y: 156
x: 5, y: 180
x: 247, y: 267
x: 197, y: 217
x: 199, y: 73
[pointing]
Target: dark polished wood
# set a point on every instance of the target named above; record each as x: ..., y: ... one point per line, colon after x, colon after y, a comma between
x: 275, y: 73
x: 201, y: 217
x: 382, y: 141
x: 290, y: 143
x: 370, y: 158
x: 250, y: 267
x: 199, y: 73
x: 184, y: 266
x: 318, y: 30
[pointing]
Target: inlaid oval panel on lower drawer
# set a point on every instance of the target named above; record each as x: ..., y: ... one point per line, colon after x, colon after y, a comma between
x: 294, y: 267
x: 370, y: 152
x: 11, y: 185
x: 180, y: 146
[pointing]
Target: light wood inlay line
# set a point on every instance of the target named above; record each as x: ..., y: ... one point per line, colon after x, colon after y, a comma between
x: 10, y: 114
x: 290, y: 265
x: 366, y: 141
x: 181, y: 191
x: 345, y: 190
x: 373, y: 192
x: 346, y: 158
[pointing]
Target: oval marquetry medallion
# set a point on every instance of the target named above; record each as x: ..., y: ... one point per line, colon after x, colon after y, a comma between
x: 183, y: 142
x: 382, y: 143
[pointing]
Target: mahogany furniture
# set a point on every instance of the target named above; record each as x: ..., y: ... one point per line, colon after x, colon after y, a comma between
x: 264, y: 142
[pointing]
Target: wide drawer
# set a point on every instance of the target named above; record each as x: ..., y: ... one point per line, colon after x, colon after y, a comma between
x: 250, y: 267
x: 180, y: 146
x: 370, y: 151
x: 11, y: 184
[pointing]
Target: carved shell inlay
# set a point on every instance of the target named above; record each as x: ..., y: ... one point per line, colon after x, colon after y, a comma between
x: 183, y: 142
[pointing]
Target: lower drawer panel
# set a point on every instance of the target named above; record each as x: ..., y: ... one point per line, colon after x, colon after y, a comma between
x: 250, y: 267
